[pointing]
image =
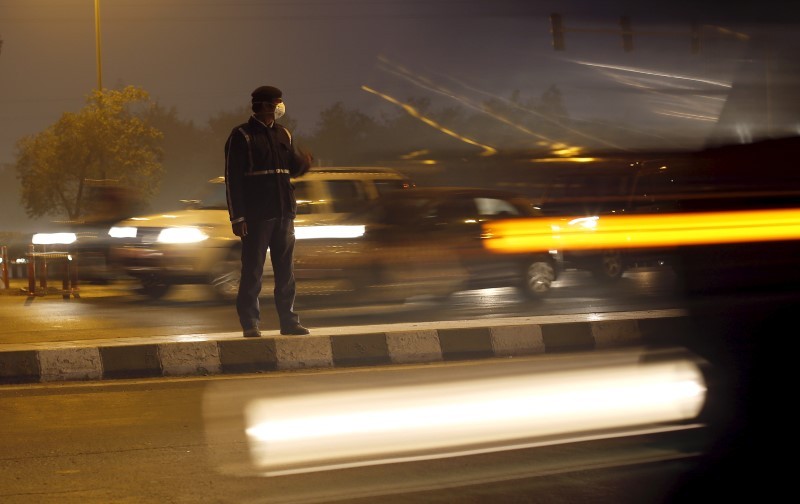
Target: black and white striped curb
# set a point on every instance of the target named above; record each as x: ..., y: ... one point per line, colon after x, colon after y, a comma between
x: 199, y: 355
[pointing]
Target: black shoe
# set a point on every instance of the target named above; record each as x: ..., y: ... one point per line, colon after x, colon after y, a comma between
x: 253, y: 332
x: 296, y: 330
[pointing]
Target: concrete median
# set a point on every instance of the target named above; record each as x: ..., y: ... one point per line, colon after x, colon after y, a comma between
x: 335, y: 347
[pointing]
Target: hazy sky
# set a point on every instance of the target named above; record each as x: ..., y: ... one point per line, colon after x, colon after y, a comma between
x: 205, y: 56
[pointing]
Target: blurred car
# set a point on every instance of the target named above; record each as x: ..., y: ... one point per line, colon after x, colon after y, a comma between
x: 624, y: 187
x: 87, y: 240
x: 429, y: 242
x: 195, y: 245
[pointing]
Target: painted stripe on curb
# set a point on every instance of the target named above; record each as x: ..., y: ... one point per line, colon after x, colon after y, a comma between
x: 248, y: 355
x: 20, y: 366
x: 133, y: 361
x: 508, y: 341
x: 70, y: 364
x: 360, y: 350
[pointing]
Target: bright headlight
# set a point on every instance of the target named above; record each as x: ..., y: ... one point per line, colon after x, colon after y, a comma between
x: 122, y: 232
x: 181, y: 235
x: 309, y: 232
x: 53, y: 238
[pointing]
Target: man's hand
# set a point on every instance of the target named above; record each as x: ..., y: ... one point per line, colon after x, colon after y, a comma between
x: 240, y: 229
x: 305, y: 159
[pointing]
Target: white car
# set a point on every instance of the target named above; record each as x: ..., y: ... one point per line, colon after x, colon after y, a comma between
x: 195, y: 245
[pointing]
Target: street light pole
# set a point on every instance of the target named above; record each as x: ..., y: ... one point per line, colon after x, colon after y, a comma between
x: 97, y: 43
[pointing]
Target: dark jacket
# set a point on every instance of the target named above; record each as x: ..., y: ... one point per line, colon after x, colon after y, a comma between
x: 259, y: 162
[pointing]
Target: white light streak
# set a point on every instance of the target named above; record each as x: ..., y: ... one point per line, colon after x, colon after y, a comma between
x: 309, y: 232
x: 657, y: 74
x: 316, y: 431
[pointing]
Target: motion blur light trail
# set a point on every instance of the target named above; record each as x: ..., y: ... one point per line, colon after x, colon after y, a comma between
x: 387, y: 423
x: 413, y: 112
x: 427, y: 84
x: 656, y: 74
x: 310, y: 232
x: 641, y: 231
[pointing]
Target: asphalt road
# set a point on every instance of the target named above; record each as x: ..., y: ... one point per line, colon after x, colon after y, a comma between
x: 151, y: 441
x: 116, y: 311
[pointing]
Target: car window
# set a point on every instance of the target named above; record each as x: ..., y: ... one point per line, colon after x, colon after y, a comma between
x: 214, y: 197
x: 347, y: 195
x: 460, y: 209
x: 494, y: 207
x: 302, y: 194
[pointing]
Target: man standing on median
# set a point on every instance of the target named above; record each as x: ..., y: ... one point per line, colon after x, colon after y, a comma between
x: 260, y: 159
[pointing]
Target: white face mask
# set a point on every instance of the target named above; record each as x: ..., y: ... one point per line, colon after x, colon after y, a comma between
x: 280, y: 109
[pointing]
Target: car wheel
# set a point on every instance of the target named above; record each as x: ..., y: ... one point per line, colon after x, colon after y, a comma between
x: 153, y: 286
x: 610, y: 267
x: 226, y: 276
x: 538, y: 278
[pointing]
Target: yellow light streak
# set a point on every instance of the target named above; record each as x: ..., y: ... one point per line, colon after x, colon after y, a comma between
x: 413, y: 112
x: 642, y: 231
x: 416, y: 153
x: 565, y: 160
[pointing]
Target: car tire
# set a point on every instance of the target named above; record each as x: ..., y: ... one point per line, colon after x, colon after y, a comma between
x: 609, y: 268
x: 153, y: 286
x: 226, y: 275
x: 538, y: 278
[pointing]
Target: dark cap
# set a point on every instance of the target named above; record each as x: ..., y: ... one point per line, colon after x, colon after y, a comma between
x: 266, y: 94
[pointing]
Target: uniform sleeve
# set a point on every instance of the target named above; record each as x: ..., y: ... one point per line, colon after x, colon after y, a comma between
x: 236, y: 161
x: 297, y: 164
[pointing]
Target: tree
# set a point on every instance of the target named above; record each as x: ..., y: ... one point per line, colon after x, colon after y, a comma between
x: 551, y: 104
x: 106, y: 140
x: 343, y: 136
x: 191, y: 157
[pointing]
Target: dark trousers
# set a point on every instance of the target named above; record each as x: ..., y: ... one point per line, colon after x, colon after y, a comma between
x: 277, y: 235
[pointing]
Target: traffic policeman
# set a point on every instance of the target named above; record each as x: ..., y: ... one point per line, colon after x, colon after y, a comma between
x: 260, y: 160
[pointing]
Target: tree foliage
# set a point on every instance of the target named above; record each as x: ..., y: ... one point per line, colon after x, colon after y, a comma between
x: 343, y: 136
x: 148, y: 150
x: 106, y: 140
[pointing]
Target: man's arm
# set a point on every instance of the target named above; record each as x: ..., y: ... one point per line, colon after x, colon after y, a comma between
x: 299, y: 160
x: 236, y: 160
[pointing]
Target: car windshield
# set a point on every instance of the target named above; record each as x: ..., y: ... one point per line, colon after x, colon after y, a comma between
x: 212, y: 197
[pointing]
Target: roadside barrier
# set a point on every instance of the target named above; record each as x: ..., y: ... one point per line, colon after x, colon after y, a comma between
x: 4, y: 261
x: 38, y: 261
x: 11, y: 268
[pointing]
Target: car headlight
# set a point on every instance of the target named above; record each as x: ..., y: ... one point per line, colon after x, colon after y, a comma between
x: 181, y: 235
x: 122, y: 232
x: 53, y: 238
x: 310, y: 232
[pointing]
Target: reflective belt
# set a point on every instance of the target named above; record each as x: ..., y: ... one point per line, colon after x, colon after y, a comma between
x: 267, y: 172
